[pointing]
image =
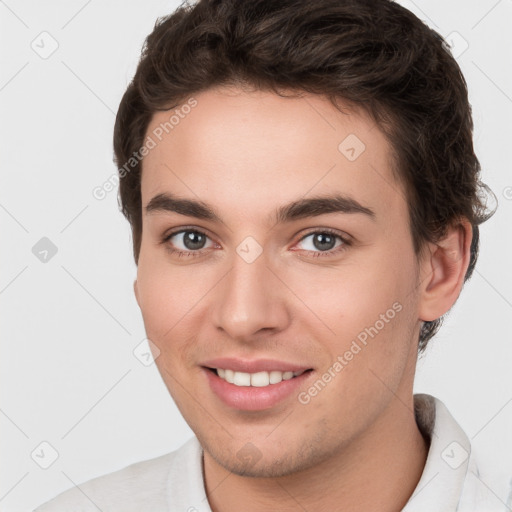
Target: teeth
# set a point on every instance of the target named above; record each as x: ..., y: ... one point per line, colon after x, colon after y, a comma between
x: 275, y: 377
x: 259, y: 379
x: 242, y: 379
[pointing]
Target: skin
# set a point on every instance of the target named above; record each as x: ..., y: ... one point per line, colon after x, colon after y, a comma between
x: 245, y: 153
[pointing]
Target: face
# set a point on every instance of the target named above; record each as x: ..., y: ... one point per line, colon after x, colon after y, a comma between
x: 296, y: 262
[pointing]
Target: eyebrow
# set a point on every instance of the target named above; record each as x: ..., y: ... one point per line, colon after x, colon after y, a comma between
x: 302, y: 208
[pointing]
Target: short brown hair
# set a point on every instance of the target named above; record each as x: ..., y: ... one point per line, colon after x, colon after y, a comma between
x: 373, y: 54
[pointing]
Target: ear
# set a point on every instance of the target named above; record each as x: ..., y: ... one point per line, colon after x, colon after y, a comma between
x: 136, y: 291
x: 443, y: 271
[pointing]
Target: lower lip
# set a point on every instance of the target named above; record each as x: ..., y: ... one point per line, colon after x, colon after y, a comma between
x: 252, y: 398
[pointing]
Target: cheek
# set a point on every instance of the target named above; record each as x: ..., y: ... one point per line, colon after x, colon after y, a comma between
x: 165, y: 297
x: 353, y: 297
x: 371, y: 311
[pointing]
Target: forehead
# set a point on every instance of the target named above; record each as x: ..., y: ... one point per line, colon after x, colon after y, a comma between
x: 237, y: 148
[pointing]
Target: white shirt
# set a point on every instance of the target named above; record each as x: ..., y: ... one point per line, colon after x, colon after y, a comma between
x: 450, y: 481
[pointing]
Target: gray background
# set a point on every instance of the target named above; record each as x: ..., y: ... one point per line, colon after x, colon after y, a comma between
x: 69, y: 376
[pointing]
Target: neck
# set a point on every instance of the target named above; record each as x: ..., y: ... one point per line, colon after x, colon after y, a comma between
x: 382, y: 466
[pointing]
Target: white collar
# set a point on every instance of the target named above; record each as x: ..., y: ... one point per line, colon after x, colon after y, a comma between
x: 442, y: 481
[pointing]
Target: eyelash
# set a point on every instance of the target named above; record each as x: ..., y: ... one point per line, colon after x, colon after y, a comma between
x: 315, y: 254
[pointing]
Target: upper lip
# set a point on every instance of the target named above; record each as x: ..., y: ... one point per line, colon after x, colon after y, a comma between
x: 253, y: 365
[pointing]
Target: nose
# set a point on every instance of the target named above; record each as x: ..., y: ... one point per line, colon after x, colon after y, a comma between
x: 250, y: 300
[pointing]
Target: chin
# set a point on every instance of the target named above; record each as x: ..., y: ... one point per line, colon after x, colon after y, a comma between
x: 252, y: 462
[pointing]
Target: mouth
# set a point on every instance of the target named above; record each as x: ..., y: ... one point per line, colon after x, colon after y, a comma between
x: 258, y: 391
x: 258, y: 379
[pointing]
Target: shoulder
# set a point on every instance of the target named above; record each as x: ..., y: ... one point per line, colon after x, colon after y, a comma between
x: 140, y: 486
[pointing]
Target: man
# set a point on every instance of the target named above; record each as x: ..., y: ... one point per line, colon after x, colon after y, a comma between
x: 304, y: 200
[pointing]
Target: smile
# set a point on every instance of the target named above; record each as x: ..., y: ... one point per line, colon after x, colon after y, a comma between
x: 258, y: 379
x: 258, y: 391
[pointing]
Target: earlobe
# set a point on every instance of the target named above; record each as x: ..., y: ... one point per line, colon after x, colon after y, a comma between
x: 445, y: 270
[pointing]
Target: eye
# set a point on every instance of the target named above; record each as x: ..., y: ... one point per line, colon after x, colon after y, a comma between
x: 324, y: 243
x: 192, y: 242
x: 186, y: 242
